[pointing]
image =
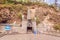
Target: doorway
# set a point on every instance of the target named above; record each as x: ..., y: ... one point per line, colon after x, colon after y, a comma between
x: 29, y: 30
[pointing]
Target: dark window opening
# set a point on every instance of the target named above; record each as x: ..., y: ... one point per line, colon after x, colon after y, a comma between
x: 29, y: 29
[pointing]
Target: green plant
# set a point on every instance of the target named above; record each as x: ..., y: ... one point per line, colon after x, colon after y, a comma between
x: 54, y: 7
x: 19, y: 15
x: 56, y: 27
x: 37, y: 20
x: 2, y: 1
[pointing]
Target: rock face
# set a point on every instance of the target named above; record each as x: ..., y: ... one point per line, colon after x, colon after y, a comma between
x: 48, y: 17
x: 8, y: 16
x: 4, y: 15
x: 42, y: 12
x: 45, y: 25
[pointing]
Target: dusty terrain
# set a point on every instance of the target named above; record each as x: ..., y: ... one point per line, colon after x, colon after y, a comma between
x: 29, y: 37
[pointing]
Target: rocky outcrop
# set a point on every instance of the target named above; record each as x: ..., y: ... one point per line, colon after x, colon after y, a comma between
x: 42, y: 12
x: 7, y: 15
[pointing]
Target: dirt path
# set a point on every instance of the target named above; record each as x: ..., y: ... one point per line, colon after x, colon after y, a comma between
x: 29, y: 37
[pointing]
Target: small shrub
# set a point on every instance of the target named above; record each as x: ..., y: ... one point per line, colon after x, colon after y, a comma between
x: 19, y: 15
x: 37, y: 20
x: 56, y: 27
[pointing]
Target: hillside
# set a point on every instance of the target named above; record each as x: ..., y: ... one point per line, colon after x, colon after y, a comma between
x: 10, y: 13
x: 53, y: 14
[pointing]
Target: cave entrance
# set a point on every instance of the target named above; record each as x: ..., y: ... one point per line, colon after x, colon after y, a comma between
x: 29, y: 26
x: 5, y: 21
x: 29, y: 29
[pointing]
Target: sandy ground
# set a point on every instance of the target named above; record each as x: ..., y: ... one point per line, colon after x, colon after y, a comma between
x: 29, y: 37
